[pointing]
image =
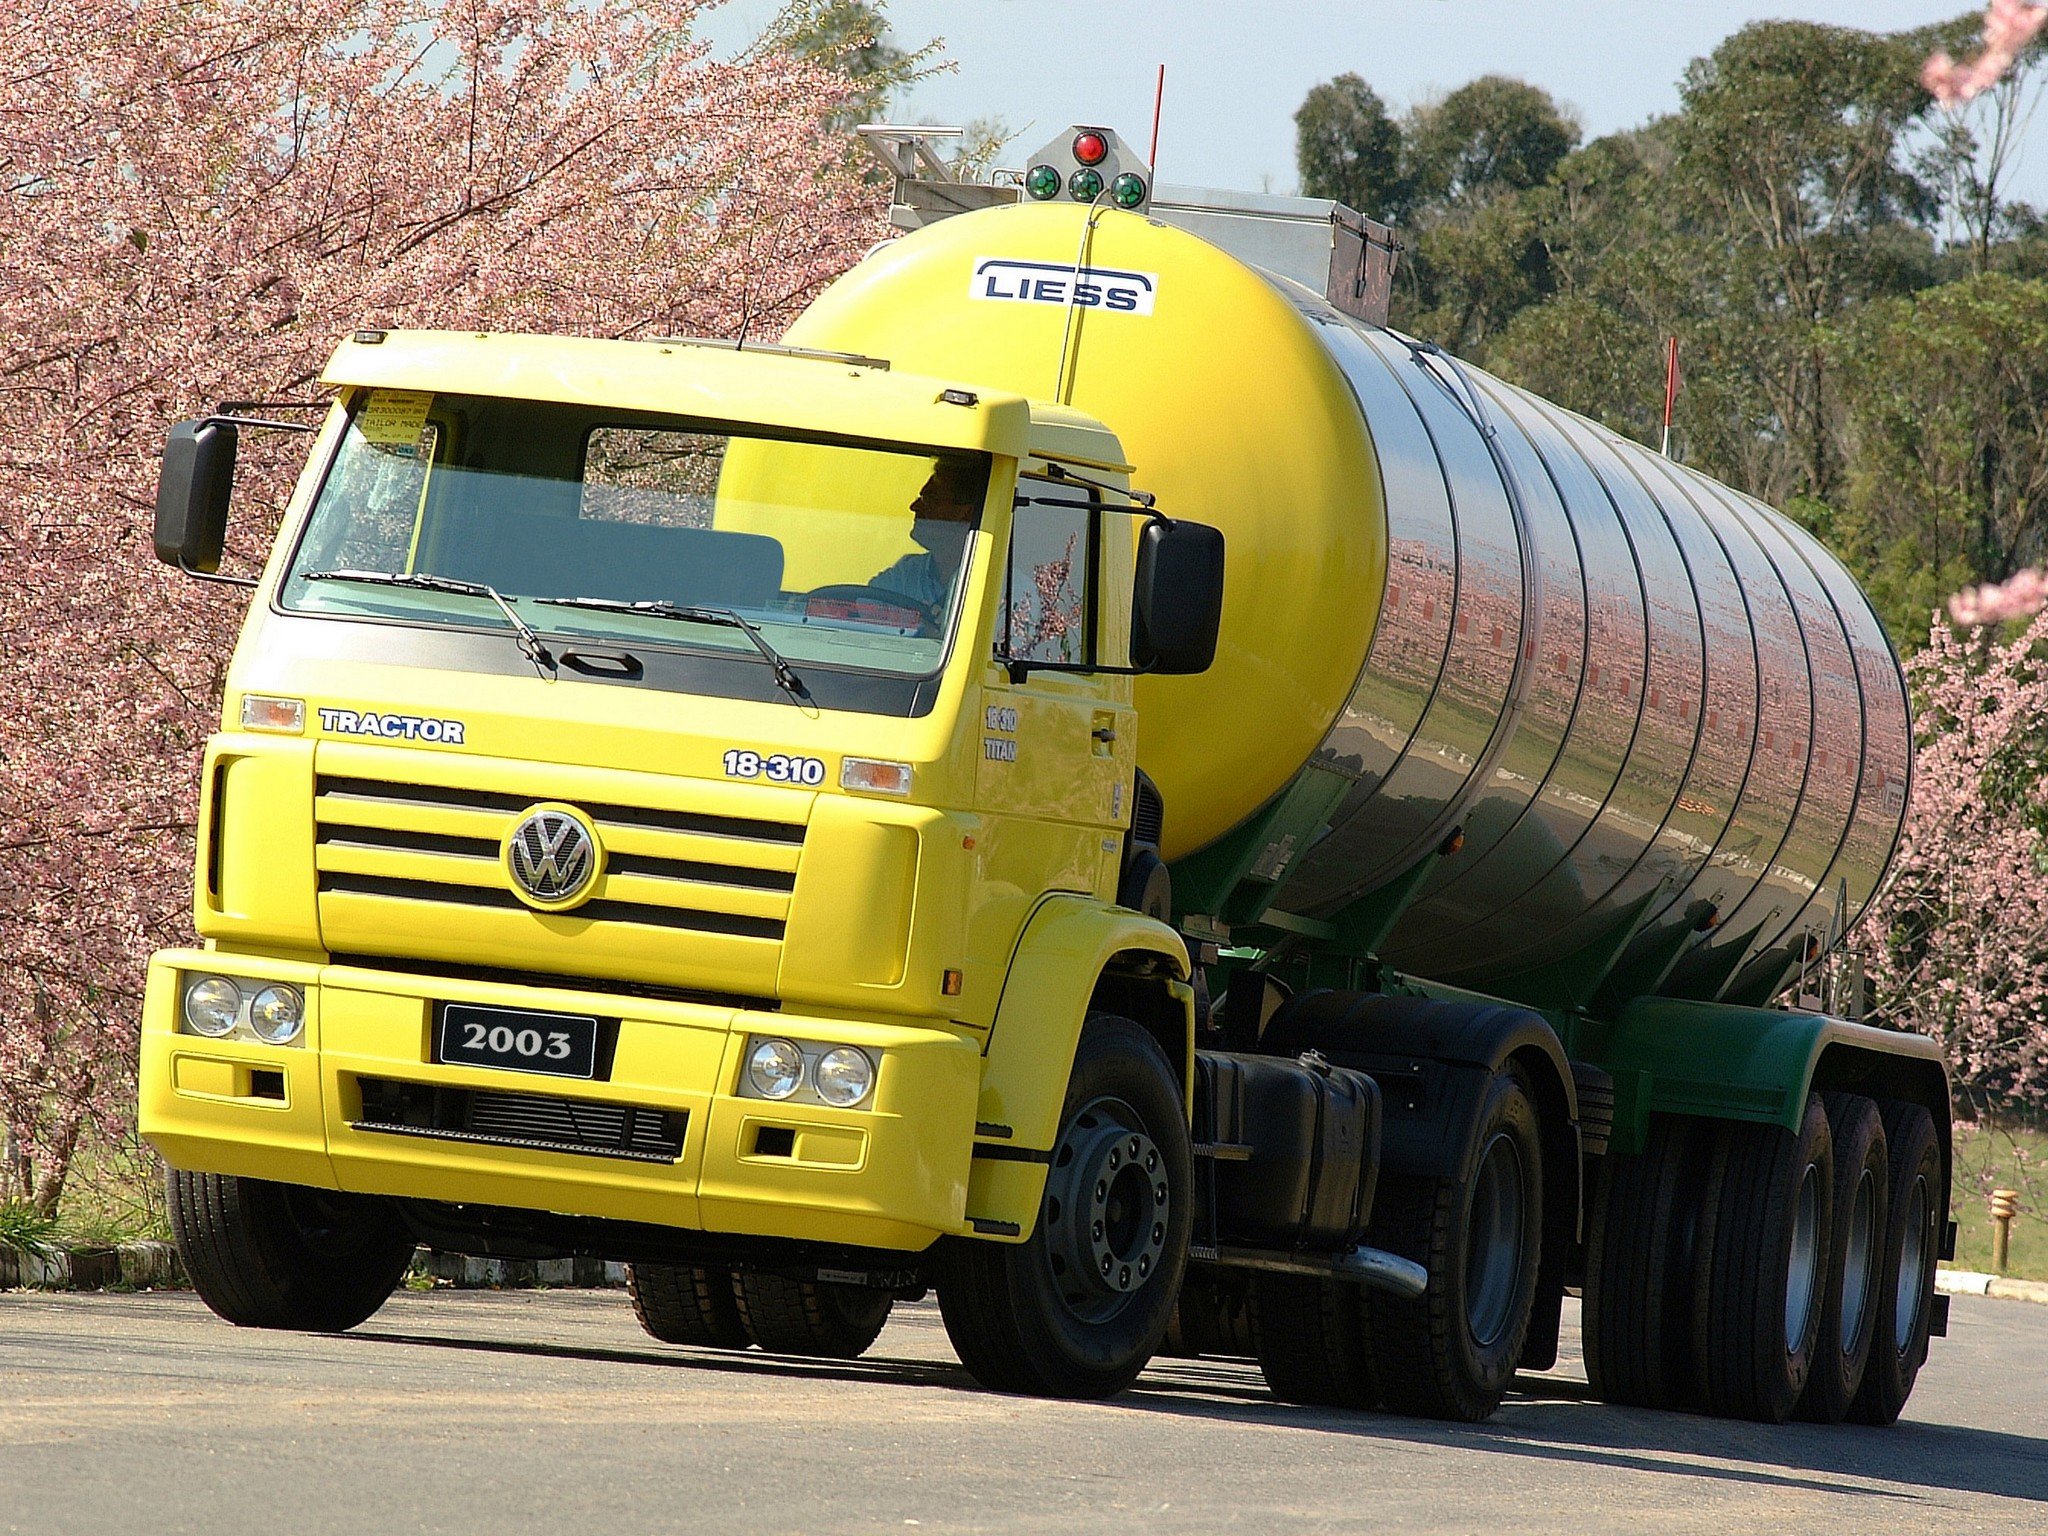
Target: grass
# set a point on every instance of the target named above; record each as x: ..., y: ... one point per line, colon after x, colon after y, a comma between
x: 23, y: 1228
x: 113, y: 1195
x: 1999, y: 1157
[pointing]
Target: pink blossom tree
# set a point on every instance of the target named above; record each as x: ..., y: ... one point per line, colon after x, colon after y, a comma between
x: 196, y: 198
x: 1957, y: 943
x: 2009, y: 25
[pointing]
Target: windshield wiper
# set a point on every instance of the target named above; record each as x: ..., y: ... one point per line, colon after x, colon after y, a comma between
x: 785, y: 675
x: 528, y: 639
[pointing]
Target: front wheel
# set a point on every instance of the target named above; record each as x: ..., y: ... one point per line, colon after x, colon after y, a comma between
x: 1078, y: 1308
x: 266, y: 1255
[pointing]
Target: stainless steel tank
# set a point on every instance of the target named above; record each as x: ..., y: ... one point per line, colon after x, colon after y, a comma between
x: 1622, y: 679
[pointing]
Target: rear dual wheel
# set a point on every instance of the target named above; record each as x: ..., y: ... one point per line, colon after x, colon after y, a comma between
x: 1451, y: 1352
x: 1848, y: 1311
x: 712, y: 1308
x: 1903, y: 1296
x: 1752, y: 1272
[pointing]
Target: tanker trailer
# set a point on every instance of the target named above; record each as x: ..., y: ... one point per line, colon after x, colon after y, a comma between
x: 1523, y: 746
x: 1094, y: 777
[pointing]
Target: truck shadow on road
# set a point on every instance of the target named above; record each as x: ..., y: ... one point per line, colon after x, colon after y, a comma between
x: 1546, y: 1418
x: 1553, y: 1419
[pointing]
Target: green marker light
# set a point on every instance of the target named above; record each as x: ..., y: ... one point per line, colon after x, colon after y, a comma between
x: 1043, y: 182
x: 1086, y: 184
x: 1128, y: 190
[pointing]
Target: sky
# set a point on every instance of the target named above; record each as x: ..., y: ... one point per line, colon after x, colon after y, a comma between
x: 1235, y: 72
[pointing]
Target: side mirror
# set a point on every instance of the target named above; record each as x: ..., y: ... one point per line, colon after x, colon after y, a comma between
x: 1177, y: 604
x: 192, y: 495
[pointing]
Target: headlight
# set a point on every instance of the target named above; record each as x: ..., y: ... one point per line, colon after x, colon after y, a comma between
x: 776, y: 1069
x: 277, y: 1014
x: 212, y: 1005
x: 844, y: 1077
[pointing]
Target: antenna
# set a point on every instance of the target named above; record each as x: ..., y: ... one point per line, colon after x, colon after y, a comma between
x: 1158, y: 101
x: 1670, y: 391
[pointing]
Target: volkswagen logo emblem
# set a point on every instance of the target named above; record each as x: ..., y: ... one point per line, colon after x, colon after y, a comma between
x: 553, y: 856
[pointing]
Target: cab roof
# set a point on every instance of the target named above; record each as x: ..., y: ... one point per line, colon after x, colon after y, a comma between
x: 813, y: 392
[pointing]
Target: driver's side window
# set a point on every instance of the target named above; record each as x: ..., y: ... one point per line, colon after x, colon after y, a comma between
x: 1048, y: 596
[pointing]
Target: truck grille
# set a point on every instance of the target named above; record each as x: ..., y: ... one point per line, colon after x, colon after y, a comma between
x: 631, y: 1131
x: 387, y: 853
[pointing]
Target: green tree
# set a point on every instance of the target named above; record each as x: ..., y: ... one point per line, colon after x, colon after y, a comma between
x: 1946, y: 395
x: 1790, y: 145
x: 1348, y: 147
x: 853, y: 38
x: 1493, y: 134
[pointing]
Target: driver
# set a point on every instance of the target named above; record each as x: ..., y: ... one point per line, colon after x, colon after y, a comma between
x: 943, y: 515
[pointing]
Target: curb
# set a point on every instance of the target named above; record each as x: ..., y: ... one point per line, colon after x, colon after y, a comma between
x: 1968, y: 1282
x: 156, y: 1266
x: 131, y: 1266
x: 466, y: 1273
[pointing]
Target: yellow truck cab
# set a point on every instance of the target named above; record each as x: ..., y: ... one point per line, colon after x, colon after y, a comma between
x: 818, y: 822
x: 651, y: 773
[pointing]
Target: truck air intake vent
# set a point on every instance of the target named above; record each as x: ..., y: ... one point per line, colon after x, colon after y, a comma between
x: 1148, y: 813
x: 631, y: 1131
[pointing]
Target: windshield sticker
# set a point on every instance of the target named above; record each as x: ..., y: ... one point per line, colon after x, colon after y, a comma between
x: 369, y: 722
x: 394, y: 417
x: 1048, y: 282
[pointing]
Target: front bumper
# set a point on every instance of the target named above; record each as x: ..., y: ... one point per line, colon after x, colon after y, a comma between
x: 890, y: 1175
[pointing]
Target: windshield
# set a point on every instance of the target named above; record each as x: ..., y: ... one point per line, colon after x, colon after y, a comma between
x: 837, y: 555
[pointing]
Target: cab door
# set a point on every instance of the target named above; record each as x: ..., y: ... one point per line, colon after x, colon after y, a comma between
x: 1058, y: 743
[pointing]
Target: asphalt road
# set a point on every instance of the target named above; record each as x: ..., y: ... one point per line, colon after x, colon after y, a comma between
x: 469, y: 1411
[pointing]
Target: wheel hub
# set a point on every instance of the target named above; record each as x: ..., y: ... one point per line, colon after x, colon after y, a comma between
x: 1107, y: 1208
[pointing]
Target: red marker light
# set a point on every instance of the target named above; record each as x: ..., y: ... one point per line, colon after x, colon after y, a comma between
x: 1090, y: 147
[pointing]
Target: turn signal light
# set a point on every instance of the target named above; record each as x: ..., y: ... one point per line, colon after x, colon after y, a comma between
x: 874, y: 776
x: 280, y: 717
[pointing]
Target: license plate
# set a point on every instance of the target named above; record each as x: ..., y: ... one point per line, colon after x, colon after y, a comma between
x: 515, y: 1040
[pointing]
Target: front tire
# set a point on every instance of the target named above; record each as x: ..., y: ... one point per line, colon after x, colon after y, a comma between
x: 1451, y: 1352
x: 266, y: 1255
x: 1078, y: 1308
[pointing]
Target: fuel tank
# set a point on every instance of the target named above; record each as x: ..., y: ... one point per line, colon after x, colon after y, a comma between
x: 1463, y: 607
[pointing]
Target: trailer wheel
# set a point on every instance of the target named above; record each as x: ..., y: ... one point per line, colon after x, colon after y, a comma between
x: 827, y: 1319
x: 1451, y: 1352
x: 1637, y: 1308
x: 1311, y: 1342
x: 1079, y: 1307
x: 266, y: 1255
x: 1903, y: 1302
x: 687, y: 1304
x: 1764, y: 1248
x: 1856, y: 1258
